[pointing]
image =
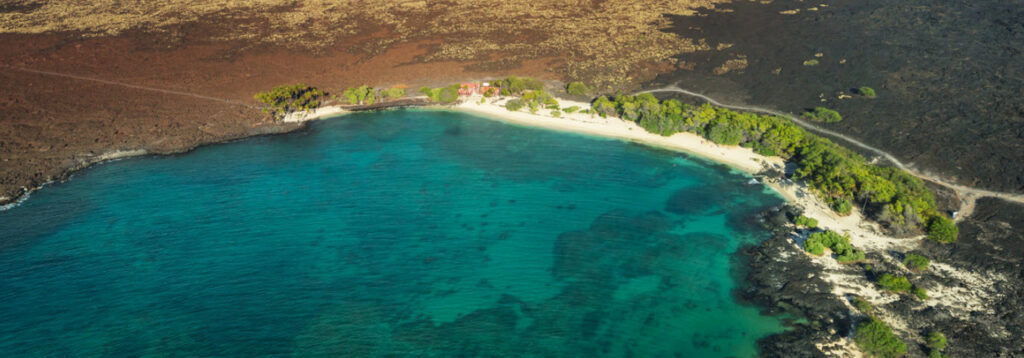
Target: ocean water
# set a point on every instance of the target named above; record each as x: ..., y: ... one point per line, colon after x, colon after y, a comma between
x: 406, y: 233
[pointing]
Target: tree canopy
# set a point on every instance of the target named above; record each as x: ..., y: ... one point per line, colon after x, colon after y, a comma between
x: 288, y: 98
x: 577, y: 88
x: 822, y: 114
x: 360, y: 95
x: 942, y: 229
x: 876, y: 338
x: 839, y: 176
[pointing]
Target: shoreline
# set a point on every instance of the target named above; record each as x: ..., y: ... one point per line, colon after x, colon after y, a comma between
x: 864, y: 234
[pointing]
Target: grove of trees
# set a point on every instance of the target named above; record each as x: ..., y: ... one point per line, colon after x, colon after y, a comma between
x: 284, y: 99
x: 841, y: 177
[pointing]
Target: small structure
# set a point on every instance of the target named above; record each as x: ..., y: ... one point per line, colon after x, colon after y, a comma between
x: 468, y: 88
x: 487, y: 86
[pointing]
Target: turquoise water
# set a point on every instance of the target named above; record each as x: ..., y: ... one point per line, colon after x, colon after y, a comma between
x: 401, y: 233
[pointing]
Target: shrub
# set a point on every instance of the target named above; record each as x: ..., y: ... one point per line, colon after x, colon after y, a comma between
x: 866, y: 92
x: 837, y: 175
x: 360, y: 95
x: 851, y: 256
x: 894, y: 283
x: 839, y: 244
x: 516, y: 85
x: 805, y: 221
x: 920, y: 293
x: 577, y: 88
x: 822, y: 114
x: 725, y: 134
x: 556, y: 114
x: 936, y: 340
x: 449, y: 94
x: 395, y: 92
x: 445, y: 95
x: 876, y: 338
x: 515, y: 104
x: 288, y: 98
x: 571, y: 109
x: 916, y: 262
x: 534, y: 106
x: 942, y: 230
x: 842, y: 206
x: 863, y: 305
x: 814, y: 247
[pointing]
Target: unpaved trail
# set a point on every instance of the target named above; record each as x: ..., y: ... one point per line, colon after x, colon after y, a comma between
x: 129, y: 85
x: 967, y: 195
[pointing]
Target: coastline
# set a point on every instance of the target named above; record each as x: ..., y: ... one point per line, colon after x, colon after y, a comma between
x: 864, y: 234
x: 967, y: 293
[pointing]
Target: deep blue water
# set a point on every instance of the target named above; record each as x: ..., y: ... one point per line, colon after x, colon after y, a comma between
x: 400, y: 233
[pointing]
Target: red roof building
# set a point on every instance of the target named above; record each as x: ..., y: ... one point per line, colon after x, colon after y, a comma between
x: 468, y: 88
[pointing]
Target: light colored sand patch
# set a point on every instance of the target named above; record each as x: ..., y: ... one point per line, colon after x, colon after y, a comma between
x: 974, y: 290
x: 840, y: 348
x: 302, y: 116
x: 118, y: 154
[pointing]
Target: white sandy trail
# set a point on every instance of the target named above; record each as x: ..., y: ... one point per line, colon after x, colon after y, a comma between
x: 129, y: 85
x: 967, y: 194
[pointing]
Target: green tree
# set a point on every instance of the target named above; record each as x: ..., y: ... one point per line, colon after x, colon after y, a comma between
x: 288, y: 98
x: 916, y: 262
x: 866, y: 92
x: 723, y: 133
x: 942, y: 229
x: 515, y: 104
x: 822, y: 114
x: 556, y: 114
x: 395, y: 92
x: 603, y: 106
x: 805, y: 221
x: 863, y: 305
x: 360, y: 95
x: 534, y: 106
x: 876, y: 338
x: 894, y: 283
x: 921, y: 293
x: 449, y: 94
x: 936, y: 340
x: 577, y: 88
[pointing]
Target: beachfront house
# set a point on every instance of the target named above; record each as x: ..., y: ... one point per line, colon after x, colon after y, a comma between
x: 468, y: 88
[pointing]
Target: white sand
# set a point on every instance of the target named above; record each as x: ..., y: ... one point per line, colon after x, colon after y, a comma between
x: 864, y: 234
x: 302, y: 116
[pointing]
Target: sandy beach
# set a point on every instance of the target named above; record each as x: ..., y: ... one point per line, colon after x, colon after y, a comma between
x: 864, y: 234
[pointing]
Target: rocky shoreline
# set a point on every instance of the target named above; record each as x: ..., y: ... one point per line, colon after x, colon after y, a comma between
x: 782, y: 280
x: 11, y: 200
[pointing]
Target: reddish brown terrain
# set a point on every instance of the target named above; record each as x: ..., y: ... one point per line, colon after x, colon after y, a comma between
x: 82, y: 80
x: 53, y: 123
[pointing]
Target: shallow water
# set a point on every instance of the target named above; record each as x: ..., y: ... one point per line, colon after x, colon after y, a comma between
x: 401, y: 233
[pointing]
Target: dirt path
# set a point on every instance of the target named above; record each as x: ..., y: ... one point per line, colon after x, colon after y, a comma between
x: 967, y: 195
x: 129, y: 85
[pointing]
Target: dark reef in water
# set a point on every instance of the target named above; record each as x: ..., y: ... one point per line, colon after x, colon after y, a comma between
x: 781, y: 279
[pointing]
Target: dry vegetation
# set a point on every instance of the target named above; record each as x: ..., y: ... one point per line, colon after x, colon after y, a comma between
x: 606, y: 43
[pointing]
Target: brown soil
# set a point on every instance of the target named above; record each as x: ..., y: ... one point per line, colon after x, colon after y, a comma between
x: 53, y: 124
